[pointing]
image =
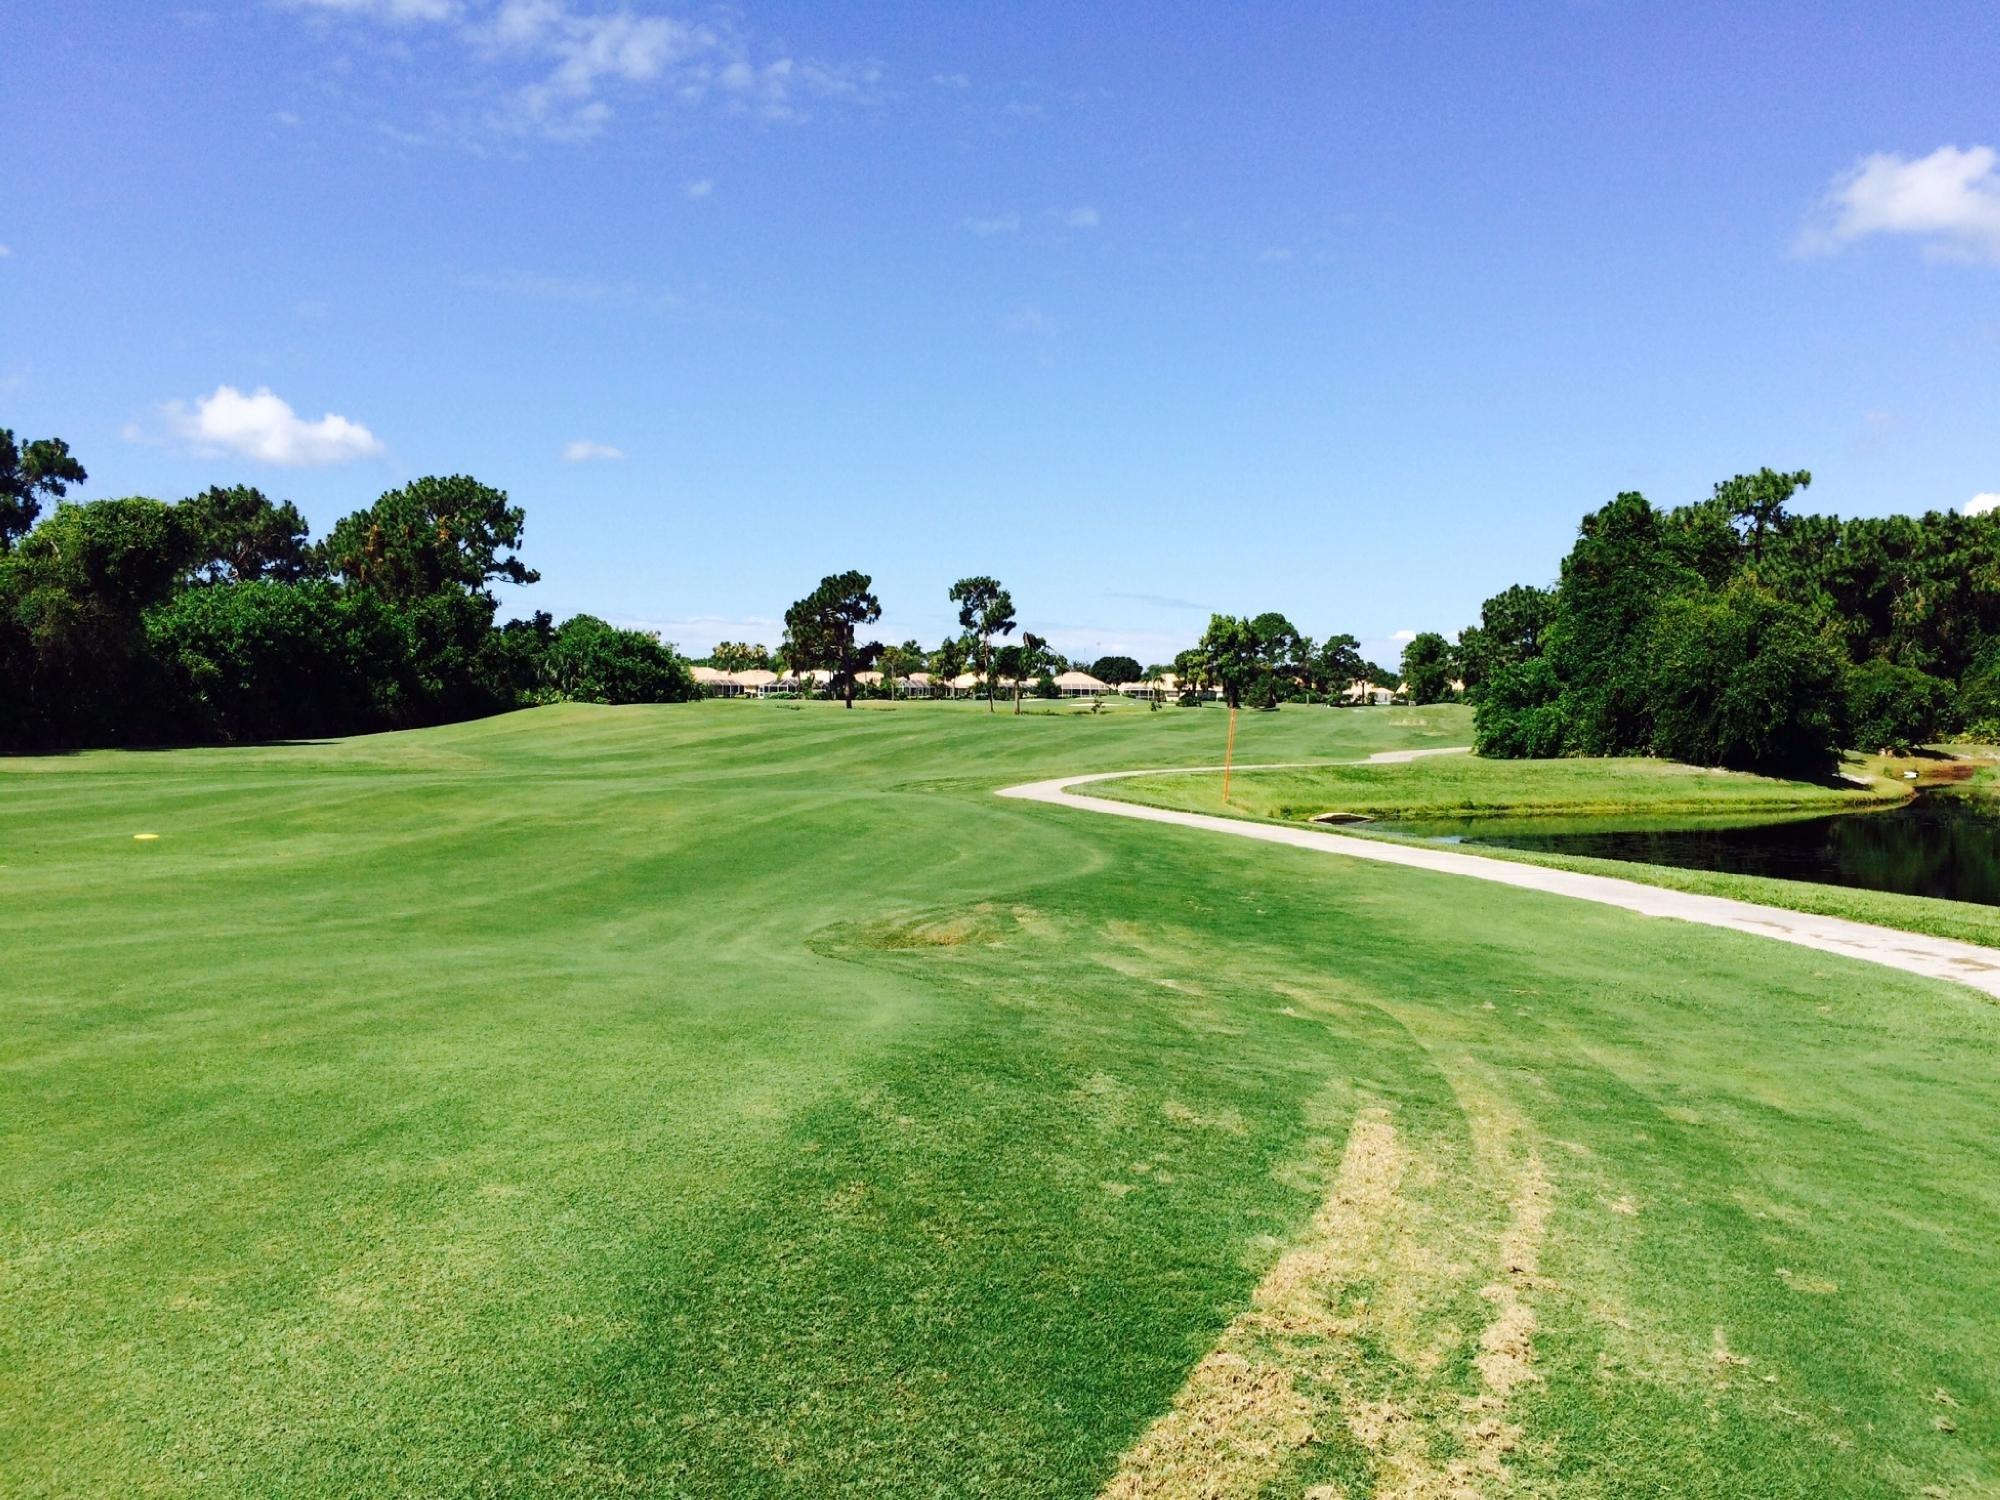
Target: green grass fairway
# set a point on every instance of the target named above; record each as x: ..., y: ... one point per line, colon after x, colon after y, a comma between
x: 740, y: 1099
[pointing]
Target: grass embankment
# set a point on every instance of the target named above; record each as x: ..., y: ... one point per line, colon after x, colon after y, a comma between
x: 1408, y: 796
x: 720, y: 1099
x: 1466, y: 786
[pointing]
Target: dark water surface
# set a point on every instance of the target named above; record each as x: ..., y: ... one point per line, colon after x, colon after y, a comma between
x: 1937, y: 844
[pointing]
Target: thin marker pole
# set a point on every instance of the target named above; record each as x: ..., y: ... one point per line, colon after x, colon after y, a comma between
x: 1229, y: 752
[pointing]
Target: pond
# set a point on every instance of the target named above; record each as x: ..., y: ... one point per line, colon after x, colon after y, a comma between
x: 1939, y: 843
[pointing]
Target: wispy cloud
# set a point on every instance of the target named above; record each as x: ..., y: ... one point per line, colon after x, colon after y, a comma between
x: 985, y: 228
x: 1403, y: 635
x: 1277, y: 255
x: 701, y: 187
x: 1083, y: 217
x: 1949, y: 201
x: 1028, y: 320
x: 1159, y: 601
x: 584, y: 451
x: 263, y: 426
x: 557, y: 69
x: 6, y: 251
x: 577, y: 292
x: 395, y: 12
x: 951, y: 80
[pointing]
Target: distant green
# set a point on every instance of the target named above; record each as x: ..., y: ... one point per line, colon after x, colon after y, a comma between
x: 732, y: 1098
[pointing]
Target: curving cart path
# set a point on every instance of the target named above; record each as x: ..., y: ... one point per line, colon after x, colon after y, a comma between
x: 1936, y: 958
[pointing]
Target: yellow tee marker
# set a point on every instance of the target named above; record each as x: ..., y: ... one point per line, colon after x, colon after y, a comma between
x: 145, y: 838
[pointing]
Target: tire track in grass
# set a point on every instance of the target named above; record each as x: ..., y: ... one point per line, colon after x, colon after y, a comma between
x: 1237, y: 1422
x: 1348, y: 1338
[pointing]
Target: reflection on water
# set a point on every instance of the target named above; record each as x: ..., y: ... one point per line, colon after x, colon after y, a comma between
x: 1937, y: 844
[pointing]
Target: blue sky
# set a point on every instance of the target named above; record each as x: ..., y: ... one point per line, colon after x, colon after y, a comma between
x: 1348, y: 311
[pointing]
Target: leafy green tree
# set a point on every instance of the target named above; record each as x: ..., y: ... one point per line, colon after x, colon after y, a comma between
x: 1740, y: 678
x: 1520, y: 713
x: 1756, y: 504
x: 1510, y: 629
x: 1228, y: 656
x: 1249, y: 659
x: 740, y: 656
x: 898, y: 662
x: 1626, y: 561
x: 985, y: 610
x: 240, y: 535
x: 513, y: 660
x: 1894, y: 708
x: 73, y: 595
x: 30, y: 472
x: 1286, y: 656
x: 947, y: 662
x: 1117, y: 670
x: 1023, y: 662
x: 429, y: 537
x: 1427, y: 664
x: 819, y: 630
x: 430, y: 550
x: 1336, y: 663
x: 263, y: 660
x: 591, y: 661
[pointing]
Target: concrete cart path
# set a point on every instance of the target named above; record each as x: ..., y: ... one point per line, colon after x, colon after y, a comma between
x: 1937, y: 958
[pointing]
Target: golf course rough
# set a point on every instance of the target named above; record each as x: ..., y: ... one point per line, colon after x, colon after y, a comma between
x: 723, y: 1098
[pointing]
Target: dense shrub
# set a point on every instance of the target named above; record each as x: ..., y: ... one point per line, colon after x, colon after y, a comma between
x: 265, y: 660
x: 1739, y: 678
x: 1520, y: 713
x: 590, y: 661
x: 1890, y: 707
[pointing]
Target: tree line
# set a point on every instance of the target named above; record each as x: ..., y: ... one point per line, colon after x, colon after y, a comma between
x: 1261, y: 660
x: 1734, y: 632
x: 220, y: 618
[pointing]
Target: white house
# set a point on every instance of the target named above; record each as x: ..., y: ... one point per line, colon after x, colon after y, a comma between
x: 1075, y: 684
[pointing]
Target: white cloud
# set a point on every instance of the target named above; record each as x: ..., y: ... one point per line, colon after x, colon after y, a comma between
x: 1950, y: 200
x: 5, y: 251
x: 547, y: 65
x: 951, y: 80
x: 701, y: 187
x: 584, y: 451
x: 1277, y: 255
x: 1084, y: 217
x: 1982, y: 504
x: 997, y: 224
x: 1404, y: 635
x: 263, y: 426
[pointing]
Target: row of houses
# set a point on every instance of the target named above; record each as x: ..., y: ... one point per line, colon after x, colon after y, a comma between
x: 758, y: 682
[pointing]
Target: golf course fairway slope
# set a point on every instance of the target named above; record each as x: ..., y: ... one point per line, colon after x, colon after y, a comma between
x: 736, y: 1098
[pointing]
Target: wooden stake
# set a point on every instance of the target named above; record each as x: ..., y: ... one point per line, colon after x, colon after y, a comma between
x: 1229, y: 753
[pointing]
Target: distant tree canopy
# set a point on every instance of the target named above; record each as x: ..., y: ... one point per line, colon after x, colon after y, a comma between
x: 985, y: 610
x: 1732, y: 632
x: 29, y: 473
x: 1117, y: 669
x: 589, y: 661
x: 1255, y: 661
x: 820, y: 630
x: 135, y: 621
x: 1427, y: 667
x: 740, y: 656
